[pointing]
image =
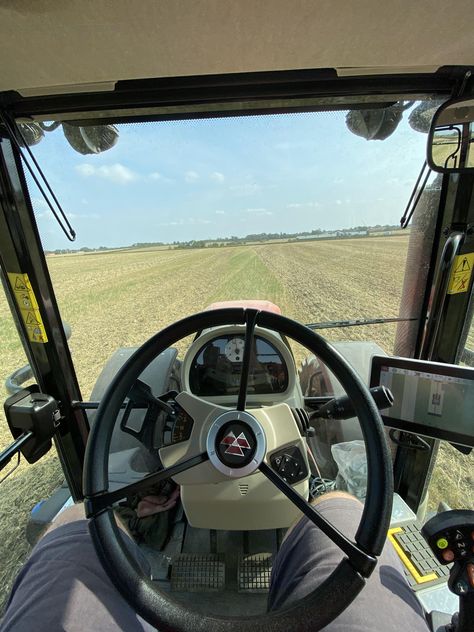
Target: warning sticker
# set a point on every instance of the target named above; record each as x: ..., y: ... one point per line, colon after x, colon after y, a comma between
x: 461, y: 274
x: 28, y: 305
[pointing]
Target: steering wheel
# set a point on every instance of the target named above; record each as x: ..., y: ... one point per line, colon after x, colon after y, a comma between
x: 330, y: 598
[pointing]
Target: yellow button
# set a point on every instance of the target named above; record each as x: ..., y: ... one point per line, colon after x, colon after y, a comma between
x: 442, y: 543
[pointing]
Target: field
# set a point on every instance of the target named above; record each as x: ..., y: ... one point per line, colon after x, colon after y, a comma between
x: 121, y: 298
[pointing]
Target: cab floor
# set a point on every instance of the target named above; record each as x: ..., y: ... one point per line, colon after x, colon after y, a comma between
x: 216, y: 572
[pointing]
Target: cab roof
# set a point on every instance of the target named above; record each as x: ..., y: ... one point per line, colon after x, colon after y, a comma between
x: 50, y: 48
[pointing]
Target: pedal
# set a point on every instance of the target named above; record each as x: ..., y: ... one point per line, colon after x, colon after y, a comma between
x: 254, y: 573
x: 198, y: 573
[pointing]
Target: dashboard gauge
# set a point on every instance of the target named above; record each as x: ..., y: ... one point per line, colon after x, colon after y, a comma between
x: 234, y: 350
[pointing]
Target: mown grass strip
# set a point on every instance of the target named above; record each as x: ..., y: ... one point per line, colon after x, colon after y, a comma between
x: 245, y: 276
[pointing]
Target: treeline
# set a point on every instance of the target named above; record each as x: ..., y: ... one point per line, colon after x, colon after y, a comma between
x: 221, y: 242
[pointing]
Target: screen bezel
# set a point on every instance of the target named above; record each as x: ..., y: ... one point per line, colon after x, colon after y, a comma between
x: 437, y: 368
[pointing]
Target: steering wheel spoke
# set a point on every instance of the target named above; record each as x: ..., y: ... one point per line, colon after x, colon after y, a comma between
x: 96, y: 504
x: 250, y: 322
x: 360, y: 560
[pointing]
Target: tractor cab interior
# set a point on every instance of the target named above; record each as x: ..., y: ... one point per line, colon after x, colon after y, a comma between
x: 240, y: 282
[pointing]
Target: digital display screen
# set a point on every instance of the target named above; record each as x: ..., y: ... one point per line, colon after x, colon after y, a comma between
x: 430, y: 398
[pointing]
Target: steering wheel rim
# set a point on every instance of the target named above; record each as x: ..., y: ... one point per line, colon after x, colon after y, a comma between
x: 157, y: 607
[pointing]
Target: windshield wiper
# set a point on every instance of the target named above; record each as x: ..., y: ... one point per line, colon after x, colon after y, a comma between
x: 415, y: 195
x: 358, y: 322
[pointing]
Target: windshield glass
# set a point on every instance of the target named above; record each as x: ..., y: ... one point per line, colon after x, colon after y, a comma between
x: 292, y: 208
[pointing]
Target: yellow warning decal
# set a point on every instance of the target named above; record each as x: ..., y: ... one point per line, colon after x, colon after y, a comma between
x: 461, y: 274
x: 28, y: 305
x: 420, y: 579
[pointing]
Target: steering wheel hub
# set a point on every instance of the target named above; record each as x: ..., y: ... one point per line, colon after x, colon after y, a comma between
x: 236, y: 443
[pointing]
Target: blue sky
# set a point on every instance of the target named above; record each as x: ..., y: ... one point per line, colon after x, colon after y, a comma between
x: 209, y: 178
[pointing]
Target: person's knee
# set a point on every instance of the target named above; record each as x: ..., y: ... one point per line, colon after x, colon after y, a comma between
x: 328, y: 496
x: 335, y: 494
x: 74, y: 513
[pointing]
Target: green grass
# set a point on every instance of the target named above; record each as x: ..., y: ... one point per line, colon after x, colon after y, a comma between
x: 244, y: 275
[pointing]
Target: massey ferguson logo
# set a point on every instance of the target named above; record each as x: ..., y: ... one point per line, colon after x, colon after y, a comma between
x: 235, y: 445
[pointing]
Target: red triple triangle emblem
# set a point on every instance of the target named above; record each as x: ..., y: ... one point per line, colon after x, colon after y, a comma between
x: 236, y: 445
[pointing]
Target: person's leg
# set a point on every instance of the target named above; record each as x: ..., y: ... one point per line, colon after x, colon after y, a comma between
x: 64, y: 587
x: 307, y: 557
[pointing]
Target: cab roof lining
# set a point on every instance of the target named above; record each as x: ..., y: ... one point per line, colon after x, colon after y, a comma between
x: 52, y: 48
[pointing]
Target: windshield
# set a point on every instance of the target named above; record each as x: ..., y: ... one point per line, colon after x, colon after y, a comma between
x: 292, y: 208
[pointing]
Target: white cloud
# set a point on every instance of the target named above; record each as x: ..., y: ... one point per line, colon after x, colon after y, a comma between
x: 245, y: 188
x: 258, y: 211
x: 303, y: 205
x: 156, y: 176
x: 86, y: 170
x: 191, y: 177
x: 82, y: 215
x: 186, y: 221
x: 196, y: 220
x: 72, y: 216
x: 220, y: 212
x: 39, y: 203
x: 217, y: 176
x: 286, y: 145
x: 115, y: 173
x: 338, y: 202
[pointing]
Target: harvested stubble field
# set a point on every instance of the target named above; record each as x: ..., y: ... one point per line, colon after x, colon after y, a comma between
x: 120, y: 299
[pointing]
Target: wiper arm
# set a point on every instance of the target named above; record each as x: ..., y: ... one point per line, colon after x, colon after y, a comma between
x: 333, y: 324
x: 415, y: 195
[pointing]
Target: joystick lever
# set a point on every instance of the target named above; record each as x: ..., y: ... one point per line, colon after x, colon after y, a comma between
x: 450, y: 535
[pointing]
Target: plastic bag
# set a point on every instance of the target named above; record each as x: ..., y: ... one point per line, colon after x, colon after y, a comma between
x: 351, y: 460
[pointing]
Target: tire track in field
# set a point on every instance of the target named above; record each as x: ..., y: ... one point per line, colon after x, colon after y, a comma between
x: 341, y: 280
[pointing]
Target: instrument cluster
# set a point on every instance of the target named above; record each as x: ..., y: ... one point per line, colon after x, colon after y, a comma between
x: 216, y: 367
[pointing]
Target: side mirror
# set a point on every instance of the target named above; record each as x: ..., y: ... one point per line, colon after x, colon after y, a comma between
x: 451, y: 137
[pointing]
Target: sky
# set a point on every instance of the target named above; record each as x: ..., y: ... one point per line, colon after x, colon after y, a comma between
x: 203, y: 179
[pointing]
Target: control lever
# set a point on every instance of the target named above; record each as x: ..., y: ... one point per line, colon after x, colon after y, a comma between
x: 450, y: 535
x: 342, y: 407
